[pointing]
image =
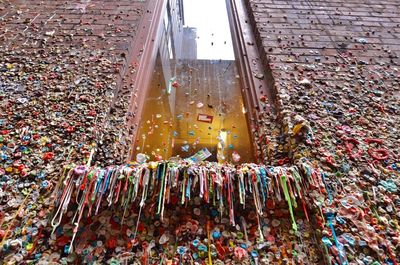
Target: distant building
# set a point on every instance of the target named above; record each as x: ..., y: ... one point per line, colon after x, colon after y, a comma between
x: 189, y: 44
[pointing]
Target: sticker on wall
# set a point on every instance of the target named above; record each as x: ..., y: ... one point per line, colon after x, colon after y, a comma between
x: 201, y: 155
x: 205, y: 118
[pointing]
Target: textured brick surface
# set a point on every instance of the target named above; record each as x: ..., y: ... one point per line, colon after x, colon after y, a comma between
x: 64, y: 67
x: 346, y: 49
x: 87, y: 44
x: 335, y: 69
x: 64, y: 86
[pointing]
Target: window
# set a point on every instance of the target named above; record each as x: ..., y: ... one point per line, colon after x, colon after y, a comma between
x: 194, y: 102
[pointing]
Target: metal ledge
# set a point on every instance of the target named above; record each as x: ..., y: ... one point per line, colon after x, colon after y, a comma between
x: 252, y: 71
x: 144, y: 53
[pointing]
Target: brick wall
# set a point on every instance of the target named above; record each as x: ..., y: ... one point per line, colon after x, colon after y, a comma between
x: 345, y: 49
x: 64, y: 67
x: 335, y: 70
x: 75, y: 53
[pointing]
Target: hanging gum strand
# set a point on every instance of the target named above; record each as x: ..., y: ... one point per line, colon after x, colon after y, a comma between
x: 288, y: 199
x: 209, y: 243
x: 228, y: 188
x: 14, y: 218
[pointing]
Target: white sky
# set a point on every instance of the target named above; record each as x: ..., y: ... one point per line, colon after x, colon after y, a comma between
x: 211, y: 20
